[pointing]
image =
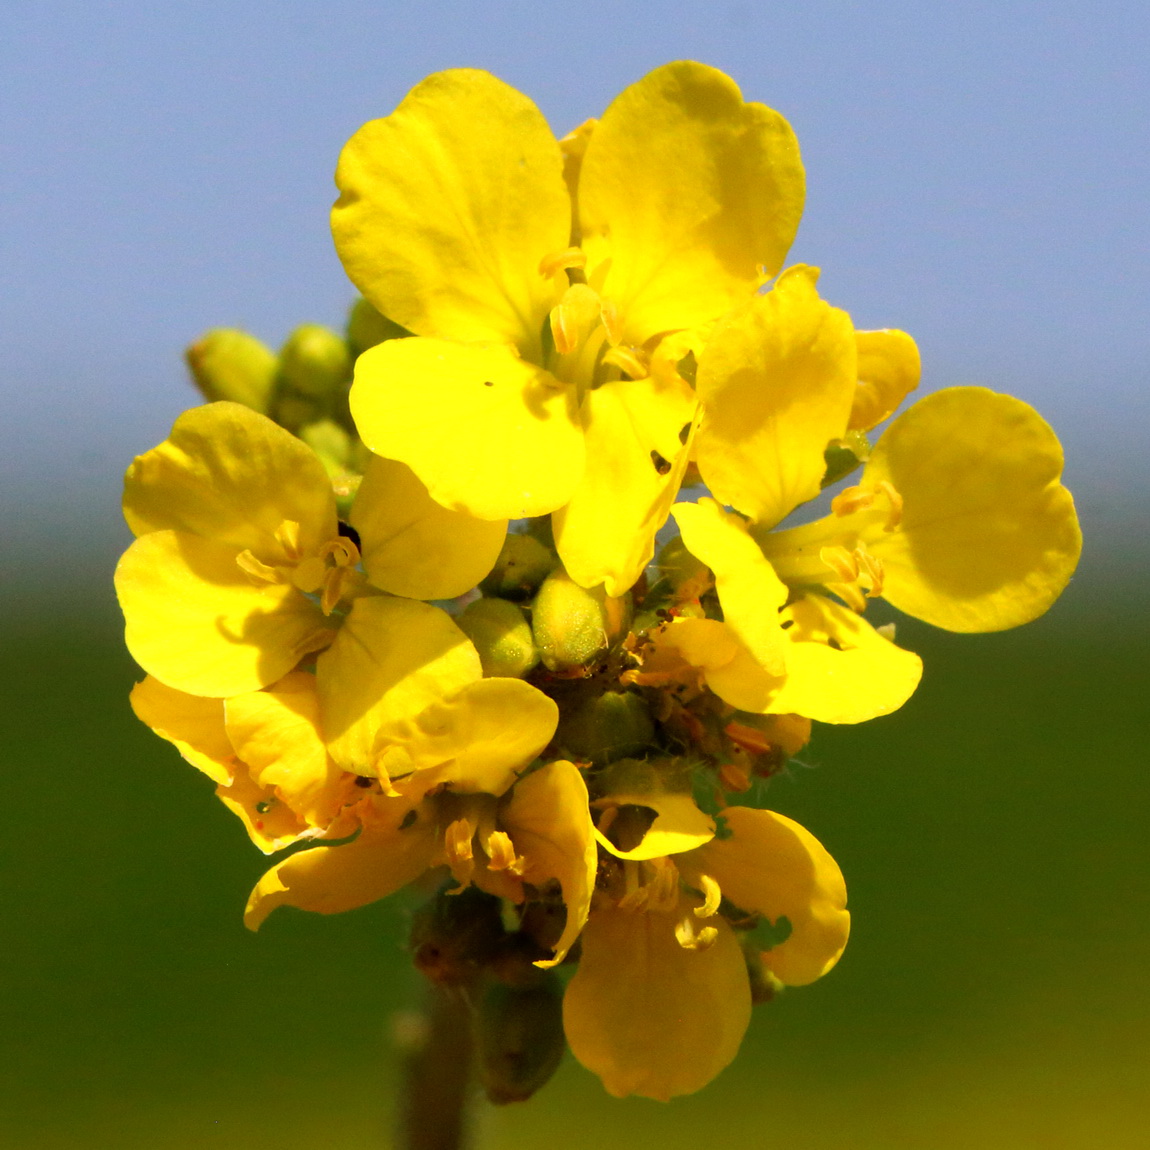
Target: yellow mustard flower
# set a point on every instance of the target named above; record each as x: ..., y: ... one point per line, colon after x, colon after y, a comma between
x: 539, y: 276
x: 503, y: 838
x: 662, y: 996
x: 241, y: 569
x: 959, y: 517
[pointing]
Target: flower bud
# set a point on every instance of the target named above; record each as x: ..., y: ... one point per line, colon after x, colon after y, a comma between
x: 606, y: 727
x: 502, y: 636
x: 519, y: 1039
x: 230, y: 364
x: 522, y: 566
x: 315, y: 362
x: 366, y: 327
x: 574, y: 626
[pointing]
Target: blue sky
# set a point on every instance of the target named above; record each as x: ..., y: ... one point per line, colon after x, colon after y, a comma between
x: 977, y: 175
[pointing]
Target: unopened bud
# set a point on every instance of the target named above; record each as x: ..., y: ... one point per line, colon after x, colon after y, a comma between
x: 455, y: 935
x: 315, y: 361
x: 574, y: 627
x: 366, y: 327
x: 230, y: 364
x: 502, y: 636
x: 522, y: 566
x: 331, y: 443
x: 519, y: 1039
x: 607, y: 727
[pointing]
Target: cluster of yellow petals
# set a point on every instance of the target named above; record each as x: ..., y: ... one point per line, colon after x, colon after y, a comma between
x: 596, y: 323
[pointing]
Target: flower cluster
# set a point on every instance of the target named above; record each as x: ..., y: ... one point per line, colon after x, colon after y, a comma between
x: 411, y: 621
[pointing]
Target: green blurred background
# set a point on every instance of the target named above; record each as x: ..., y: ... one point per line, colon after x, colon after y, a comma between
x: 978, y: 175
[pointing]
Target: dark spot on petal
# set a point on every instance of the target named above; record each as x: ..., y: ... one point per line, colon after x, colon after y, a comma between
x: 488, y: 383
x: 364, y: 781
x: 787, y: 624
x: 661, y: 465
x: 349, y: 532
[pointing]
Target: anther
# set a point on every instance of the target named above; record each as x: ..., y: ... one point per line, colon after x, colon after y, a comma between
x: 628, y: 360
x: 287, y: 536
x: 894, y: 518
x: 712, y: 896
x: 257, y: 570
x: 850, y: 500
x: 841, y: 561
x: 561, y: 261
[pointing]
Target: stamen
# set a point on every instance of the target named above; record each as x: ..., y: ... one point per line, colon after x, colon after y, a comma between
x: 850, y: 500
x: 287, y: 536
x: 609, y: 313
x: 501, y: 853
x: 734, y: 777
x: 574, y: 318
x: 628, y: 359
x: 850, y: 594
x: 457, y: 842
x: 561, y: 261
x: 257, y: 570
x: 874, y: 570
x: 749, y: 738
x: 841, y: 561
x: 712, y: 896
x: 690, y: 937
x: 895, y: 516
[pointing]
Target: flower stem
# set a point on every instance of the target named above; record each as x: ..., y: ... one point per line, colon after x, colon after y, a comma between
x: 436, y: 1077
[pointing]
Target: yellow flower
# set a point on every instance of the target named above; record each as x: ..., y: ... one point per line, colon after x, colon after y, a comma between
x: 241, y: 569
x: 538, y: 293
x: 506, y: 840
x: 662, y: 996
x: 959, y: 517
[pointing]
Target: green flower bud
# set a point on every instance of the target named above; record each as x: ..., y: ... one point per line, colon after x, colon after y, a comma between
x: 366, y: 327
x: 502, y: 636
x: 519, y: 1039
x: 575, y: 627
x: 522, y: 565
x: 316, y: 362
x: 331, y: 443
x: 230, y: 364
x: 606, y: 727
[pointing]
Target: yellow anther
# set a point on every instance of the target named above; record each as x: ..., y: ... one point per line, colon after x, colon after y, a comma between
x: 850, y: 594
x: 574, y: 318
x: 734, y: 777
x: 663, y: 889
x: 690, y: 937
x: 749, y: 738
x: 841, y: 562
x: 712, y: 896
x: 872, y: 567
x: 560, y: 261
x: 257, y: 570
x: 501, y: 853
x: 287, y: 536
x: 609, y: 313
x: 850, y: 500
x: 895, y: 516
x: 341, y: 551
x: 628, y: 359
x: 457, y: 842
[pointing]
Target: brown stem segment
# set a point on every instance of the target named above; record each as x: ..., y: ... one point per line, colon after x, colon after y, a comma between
x: 437, y: 1076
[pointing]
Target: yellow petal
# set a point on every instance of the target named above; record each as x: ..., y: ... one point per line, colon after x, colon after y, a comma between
x: 649, y: 1016
x: 271, y: 824
x: 487, y: 432
x: 192, y: 724
x: 232, y: 475
x: 772, y: 866
x: 636, y: 435
x: 749, y: 590
x: 474, y: 739
x: 330, y: 880
x: 391, y: 659
x: 679, y: 825
x: 688, y: 199
x: 447, y: 207
x: 777, y: 379
x: 889, y: 369
x: 276, y: 733
x: 839, y: 668
x: 198, y: 623
x: 415, y: 547
x: 547, y: 818
x: 989, y: 536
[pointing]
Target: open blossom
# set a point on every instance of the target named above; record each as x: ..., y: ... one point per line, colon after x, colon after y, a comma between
x: 538, y: 302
